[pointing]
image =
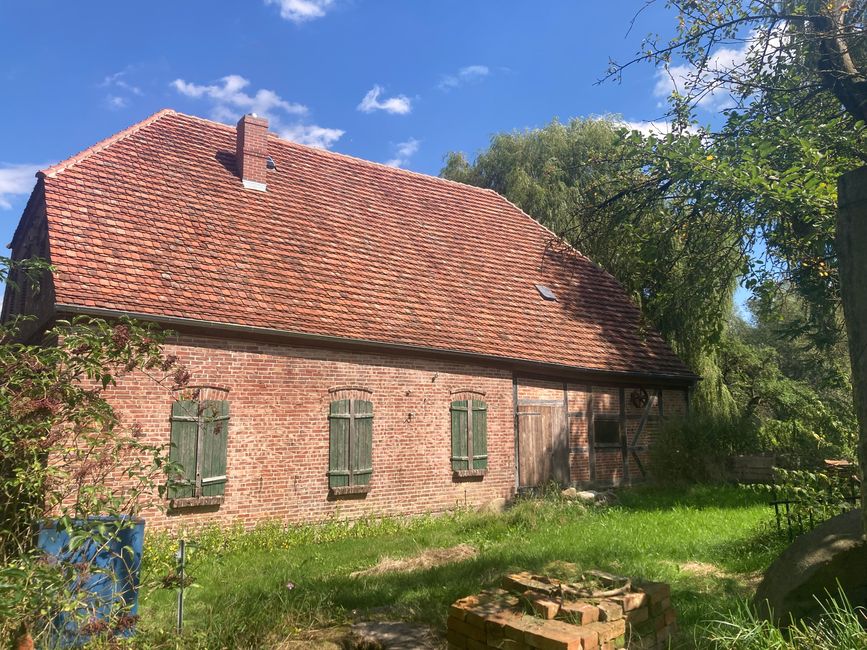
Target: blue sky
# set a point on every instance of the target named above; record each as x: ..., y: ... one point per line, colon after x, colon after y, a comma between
x: 396, y: 81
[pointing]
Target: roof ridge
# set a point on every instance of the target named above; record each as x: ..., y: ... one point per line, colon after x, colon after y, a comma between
x: 337, y: 154
x: 54, y: 170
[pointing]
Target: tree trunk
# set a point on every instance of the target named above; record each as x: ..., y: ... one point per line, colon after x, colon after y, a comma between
x: 852, y: 256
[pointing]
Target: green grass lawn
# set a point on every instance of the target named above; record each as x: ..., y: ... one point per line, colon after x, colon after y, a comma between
x: 707, y: 542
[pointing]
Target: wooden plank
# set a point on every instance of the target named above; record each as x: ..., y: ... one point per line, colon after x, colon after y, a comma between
x: 184, y: 446
x: 338, y: 447
x: 566, y: 432
x: 516, y: 432
x: 591, y: 436
x: 624, y: 451
x: 215, y: 436
x: 479, y: 434
x: 529, y: 432
x: 460, y: 452
x: 362, y: 443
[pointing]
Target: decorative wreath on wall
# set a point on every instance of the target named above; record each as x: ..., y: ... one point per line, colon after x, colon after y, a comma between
x: 639, y: 398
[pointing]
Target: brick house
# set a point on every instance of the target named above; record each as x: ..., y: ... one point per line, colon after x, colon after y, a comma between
x: 366, y: 339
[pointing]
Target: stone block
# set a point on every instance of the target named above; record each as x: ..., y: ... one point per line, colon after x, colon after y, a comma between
x: 633, y: 600
x: 456, y: 639
x: 525, y: 581
x: 657, y: 591
x: 467, y: 630
x: 636, y: 616
x: 579, y: 613
x: 610, y: 611
x: 610, y: 630
x: 659, y: 606
x: 554, y: 635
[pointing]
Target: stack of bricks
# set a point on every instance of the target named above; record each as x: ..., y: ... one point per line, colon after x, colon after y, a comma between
x: 535, y: 612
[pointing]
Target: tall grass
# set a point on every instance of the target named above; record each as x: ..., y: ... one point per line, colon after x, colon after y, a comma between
x: 840, y: 626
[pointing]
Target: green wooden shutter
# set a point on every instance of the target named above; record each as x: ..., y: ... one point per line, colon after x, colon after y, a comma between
x: 184, y: 436
x: 338, y: 460
x: 362, y: 442
x: 480, y: 435
x: 460, y: 459
x: 214, y: 432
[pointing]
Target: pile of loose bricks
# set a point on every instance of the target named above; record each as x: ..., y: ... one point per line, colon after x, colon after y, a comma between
x: 538, y: 612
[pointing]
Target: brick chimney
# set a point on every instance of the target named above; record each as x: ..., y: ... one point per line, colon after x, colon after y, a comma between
x: 252, y: 151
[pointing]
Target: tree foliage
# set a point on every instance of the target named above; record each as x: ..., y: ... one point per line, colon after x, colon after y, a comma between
x: 678, y: 260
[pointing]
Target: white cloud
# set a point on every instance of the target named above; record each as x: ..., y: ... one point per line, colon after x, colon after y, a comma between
x: 301, y: 11
x: 403, y: 151
x: 117, y: 80
x: 713, y: 88
x: 312, y: 135
x: 231, y: 100
x: 116, y: 102
x: 120, y: 91
x: 399, y: 104
x: 16, y: 180
x: 465, y: 75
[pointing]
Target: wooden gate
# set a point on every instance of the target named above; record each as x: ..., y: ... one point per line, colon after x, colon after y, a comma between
x: 543, y: 443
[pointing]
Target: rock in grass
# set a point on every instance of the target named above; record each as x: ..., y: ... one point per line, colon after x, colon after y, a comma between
x: 811, y: 567
x: 494, y: 506
x: 588, y: 496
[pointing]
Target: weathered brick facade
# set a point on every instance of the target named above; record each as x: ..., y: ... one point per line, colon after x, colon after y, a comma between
x: 277, y: 455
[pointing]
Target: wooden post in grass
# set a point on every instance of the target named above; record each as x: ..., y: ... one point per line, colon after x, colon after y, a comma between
x: 852, y: 257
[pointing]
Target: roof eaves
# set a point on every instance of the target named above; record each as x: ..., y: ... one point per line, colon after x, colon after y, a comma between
x: 102, y: 312
x: 54, y: 170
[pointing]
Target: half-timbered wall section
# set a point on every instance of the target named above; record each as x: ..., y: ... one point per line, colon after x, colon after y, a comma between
x: 601, y: 433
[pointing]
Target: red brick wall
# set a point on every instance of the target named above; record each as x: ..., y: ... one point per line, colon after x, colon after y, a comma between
x: 278, y: 432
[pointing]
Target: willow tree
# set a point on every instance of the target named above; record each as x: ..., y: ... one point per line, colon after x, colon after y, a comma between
x: 591, y: 182
x: 792, y: 78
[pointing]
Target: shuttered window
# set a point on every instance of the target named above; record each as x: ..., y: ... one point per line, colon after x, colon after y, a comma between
x: 199, y: 435
x: 350, y: 465
x: 469, y: 437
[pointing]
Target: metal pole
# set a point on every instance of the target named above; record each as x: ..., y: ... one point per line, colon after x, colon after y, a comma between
x: 182, y: 558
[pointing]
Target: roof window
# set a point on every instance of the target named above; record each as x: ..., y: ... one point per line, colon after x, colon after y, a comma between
x: 545, y: 292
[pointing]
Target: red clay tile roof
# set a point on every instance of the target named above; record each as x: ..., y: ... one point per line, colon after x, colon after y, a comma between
x: 155, y: 221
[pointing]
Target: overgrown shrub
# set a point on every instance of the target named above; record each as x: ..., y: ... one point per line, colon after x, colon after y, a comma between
x: 695, y: 449
x: 62, y: 449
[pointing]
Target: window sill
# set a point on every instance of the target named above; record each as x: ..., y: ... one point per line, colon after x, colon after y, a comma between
x: 469, y: 473
x: 349, y: 489
x: 195, y: 502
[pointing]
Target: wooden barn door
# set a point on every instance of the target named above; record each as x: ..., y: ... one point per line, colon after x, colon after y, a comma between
x: 543, y: 443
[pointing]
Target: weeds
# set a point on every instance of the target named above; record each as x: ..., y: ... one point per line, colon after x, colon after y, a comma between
x: 840, y: 625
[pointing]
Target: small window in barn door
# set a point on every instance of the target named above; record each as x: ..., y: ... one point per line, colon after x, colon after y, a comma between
x: 350, y: 456
x: 469, y: 438
x: 198, y: 448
